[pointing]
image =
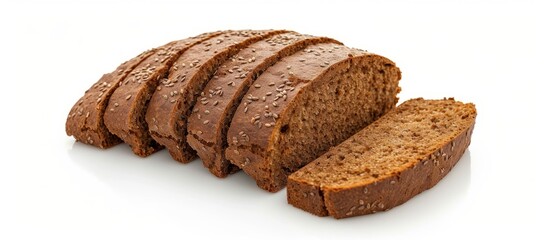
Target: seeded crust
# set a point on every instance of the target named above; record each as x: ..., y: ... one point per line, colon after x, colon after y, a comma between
x: 405, y: 152
x: 303, y: 105
x: 208, y: 124
x: 124, y: 115
x: 85, y: 120
x: 174, y: 98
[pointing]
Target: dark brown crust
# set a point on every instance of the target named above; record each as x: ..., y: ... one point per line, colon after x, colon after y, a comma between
x: 173, y: 101
x: 209, y: 140
x: 85, y: 120
x: 125, y: 112
x: 251, y: 152
x: 382, y: 195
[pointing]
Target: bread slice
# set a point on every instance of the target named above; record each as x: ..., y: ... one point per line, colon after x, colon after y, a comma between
x: 208, y: 124
x: 397, y: 157
x: 173, y: 100
x: 306, y: 103
x: 125, y: 112
x: 85, y: 120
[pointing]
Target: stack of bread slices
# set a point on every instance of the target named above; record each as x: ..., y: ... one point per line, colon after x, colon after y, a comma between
x: 288, y: 109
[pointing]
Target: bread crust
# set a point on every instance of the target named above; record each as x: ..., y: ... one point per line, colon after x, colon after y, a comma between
x: 85, y: 120
x: 227, y: 88
x: 125, y: 112
x: 172, y: 101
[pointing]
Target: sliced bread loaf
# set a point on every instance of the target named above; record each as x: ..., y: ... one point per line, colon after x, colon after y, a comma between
x: 208, y: 124
x: 174, y: 98
x: 85, y: 120
x: 397, y: 157
x: 304, y: 104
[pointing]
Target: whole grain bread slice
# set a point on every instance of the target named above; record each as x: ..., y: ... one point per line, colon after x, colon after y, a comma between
x: 174, y: 98
x: 208, y: 124
x: 306, y: 103
x: 405, y: 152
x: 125, y: 112
x: 85, y: 120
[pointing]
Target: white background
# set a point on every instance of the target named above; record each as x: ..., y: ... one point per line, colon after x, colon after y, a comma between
x: 492, y: 53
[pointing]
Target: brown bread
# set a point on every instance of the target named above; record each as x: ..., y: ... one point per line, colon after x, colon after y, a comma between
x: 125, y: 112
x: 174, y: 98
x: 227, y: 88
x: 303, y: 105
x: 397, y: 157
x: 85, y: 120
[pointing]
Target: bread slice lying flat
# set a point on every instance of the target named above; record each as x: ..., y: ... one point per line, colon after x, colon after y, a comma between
x: 208, y: 124
x: 405, y: 152
x: 303, y: 105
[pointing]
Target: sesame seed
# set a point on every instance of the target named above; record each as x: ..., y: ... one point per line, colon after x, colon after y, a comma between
x: 275, y: 104
x: 271, y: 84
x: 269, y: 93
x: 393, y: 182
x: 361, y: 202
x: 288, y: 67
x: 215, y: 103
x: 257, y: 85
x: 207, y: 111
x: 267, y: 125
x: 230, y: 83
x: 206, y: 122
x: 128, y: 97
x: 245, y: 109
x: 205, y: 102
x: 302, y: 60
x: 116, y: 104
x: 172, y: 101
